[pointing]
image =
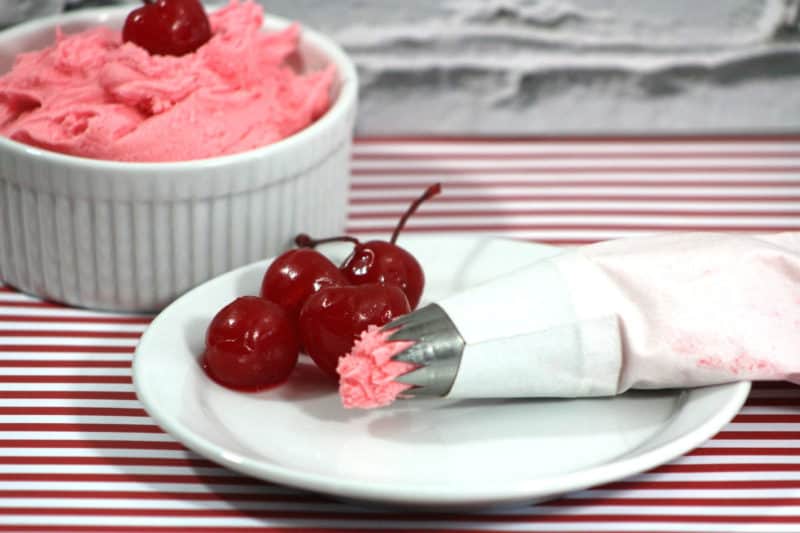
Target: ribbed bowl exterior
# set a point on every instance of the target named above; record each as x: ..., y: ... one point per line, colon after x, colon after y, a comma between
x: 139, y: 254
x: 133, y: 237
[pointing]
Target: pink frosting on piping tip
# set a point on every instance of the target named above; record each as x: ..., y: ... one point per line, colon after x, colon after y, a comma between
x: 368, y: 373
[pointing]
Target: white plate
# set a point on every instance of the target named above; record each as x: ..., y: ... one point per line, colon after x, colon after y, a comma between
x: 428, y: 453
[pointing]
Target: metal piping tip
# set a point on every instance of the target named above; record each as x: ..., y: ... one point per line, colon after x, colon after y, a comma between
x: 436, y: 351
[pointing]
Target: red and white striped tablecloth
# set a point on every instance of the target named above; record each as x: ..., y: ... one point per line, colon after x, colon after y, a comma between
x: 78, y: 453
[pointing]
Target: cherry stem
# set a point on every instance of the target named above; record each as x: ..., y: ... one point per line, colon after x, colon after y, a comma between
x: 304, y: 240
x: 429, y: 193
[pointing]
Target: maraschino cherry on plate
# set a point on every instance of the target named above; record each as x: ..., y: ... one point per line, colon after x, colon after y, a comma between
x: 384, y: 262
x: 250, y: 345
x: 323, y: 307
x: 333, y: 318
x: 297, y: 274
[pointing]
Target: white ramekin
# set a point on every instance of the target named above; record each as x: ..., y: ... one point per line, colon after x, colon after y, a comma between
x: 134, y: 236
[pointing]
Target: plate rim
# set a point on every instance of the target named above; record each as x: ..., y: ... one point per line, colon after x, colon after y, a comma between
x: 422, y: 495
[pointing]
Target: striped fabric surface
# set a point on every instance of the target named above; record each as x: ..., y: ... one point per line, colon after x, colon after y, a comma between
x: 78, y: 452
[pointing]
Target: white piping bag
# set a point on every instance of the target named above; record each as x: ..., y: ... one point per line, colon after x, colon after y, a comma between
x: 673, y: 310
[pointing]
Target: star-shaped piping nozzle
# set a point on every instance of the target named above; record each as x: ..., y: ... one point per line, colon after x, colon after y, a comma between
x: 436, y: 351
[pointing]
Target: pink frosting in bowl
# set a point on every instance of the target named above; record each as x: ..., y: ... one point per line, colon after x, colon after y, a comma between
x: 90, y: 95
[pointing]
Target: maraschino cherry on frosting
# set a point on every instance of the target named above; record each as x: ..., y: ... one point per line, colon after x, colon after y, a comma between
x: 168, y: 27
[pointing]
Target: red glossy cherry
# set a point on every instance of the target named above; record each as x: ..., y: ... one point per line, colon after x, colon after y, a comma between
x: 332, y: 319
x: 387, y: 264
x: 168, y: 27
x: 381, y: 261
x: 297, y: 274
x: 250, y: 345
